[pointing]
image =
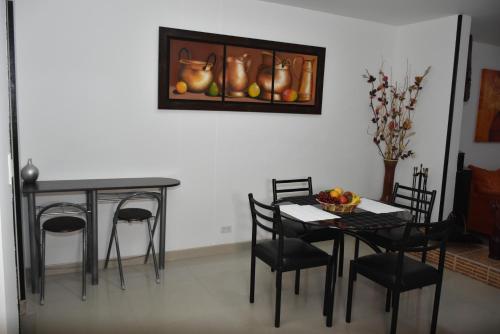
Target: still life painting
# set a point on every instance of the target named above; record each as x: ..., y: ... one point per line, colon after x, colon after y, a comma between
x: 488, y: 114
x: 217, y: 72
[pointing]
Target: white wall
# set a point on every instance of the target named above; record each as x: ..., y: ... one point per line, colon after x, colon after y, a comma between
x: 486, y: 155
x: 87, y: 89
x: 429, y: 43
x: 8, y: 286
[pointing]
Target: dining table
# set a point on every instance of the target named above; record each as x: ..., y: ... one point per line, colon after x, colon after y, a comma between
x: 353, y: 224
x: 90, y: 187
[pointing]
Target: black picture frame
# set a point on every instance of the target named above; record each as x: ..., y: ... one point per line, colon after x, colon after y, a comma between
x: 166, y: 35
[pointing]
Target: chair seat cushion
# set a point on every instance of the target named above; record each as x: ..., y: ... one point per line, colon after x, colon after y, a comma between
x: 308, y: 233
x: 387, y: 238
x: 63, y: 224
x: 381, y: 268
x: 134, y: 214
x: 296, y: 254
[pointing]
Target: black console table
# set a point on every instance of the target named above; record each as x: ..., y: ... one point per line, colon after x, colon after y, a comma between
x: 91, y: 187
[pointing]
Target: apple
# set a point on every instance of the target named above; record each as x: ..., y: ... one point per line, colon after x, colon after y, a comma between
x: 343, y: 199
x: 289, y: 95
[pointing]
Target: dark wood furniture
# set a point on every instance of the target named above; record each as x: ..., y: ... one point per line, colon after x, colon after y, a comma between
x: 485, y: 189
x: 91, y: 187
x: 399, y: 273
x: 283, y: 254
x: 418, y: 202
x: 132, y: 214
x: 308, y: 233
x: 63, y: 224
x: 495, y: 237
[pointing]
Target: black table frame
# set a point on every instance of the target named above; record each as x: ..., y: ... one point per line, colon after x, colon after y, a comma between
x: 337, y: 224
x: 91, y: 188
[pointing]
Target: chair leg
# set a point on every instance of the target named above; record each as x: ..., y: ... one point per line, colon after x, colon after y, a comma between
x: 113, y: 231
x: 297, y: 281
x: 395, y: 308
x: 341, y: 255
x: 435, y: 309
x: 328, y: 287
x: 356, y: 254
x: 424, y: 256
x: 278, y: 299
x: 42, y: 271
x: 149, y: 246
x: 388, y: 301
x: 84, y: 265
x: 252, y: 277
x: 151, y: 242
x: 119, y: 258
x: 352, y: 272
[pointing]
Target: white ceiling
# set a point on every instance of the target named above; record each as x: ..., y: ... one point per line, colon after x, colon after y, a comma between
x: 485, y: 13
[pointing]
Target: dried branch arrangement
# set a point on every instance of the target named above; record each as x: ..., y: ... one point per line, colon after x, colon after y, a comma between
x: 392, y: 109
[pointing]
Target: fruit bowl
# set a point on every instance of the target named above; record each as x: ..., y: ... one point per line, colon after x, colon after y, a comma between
x: 338, y: 208
x: 336, y: 200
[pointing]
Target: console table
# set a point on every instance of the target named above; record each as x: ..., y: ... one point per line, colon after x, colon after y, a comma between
x: 90, y: 187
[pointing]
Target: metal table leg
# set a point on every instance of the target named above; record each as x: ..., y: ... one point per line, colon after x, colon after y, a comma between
x: 34, y: 249
x: 89, y: 231
x: 94, y: 241
x: 163, y: 215
x: 335, y: 256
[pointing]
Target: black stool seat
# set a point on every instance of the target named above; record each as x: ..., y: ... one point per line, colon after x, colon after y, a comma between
x: 381, y: 268
x: 134, y: 214
x: 64, y: 224
x: 296, y: 254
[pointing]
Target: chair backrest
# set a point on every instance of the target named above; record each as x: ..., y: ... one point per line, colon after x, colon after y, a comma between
x: 436, y: 237
x: 292, y: 186
x: 61, y: 205
x: 148, y: 195
x: 268, y: 218
x: 419, y: 202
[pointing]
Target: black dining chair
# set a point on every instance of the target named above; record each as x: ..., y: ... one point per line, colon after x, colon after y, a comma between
x: 131, y: 214
x: 399, y: 273
x: 64, y: 223
x: 284, y: 254
x: 418, y: 202
x: 308, y: 233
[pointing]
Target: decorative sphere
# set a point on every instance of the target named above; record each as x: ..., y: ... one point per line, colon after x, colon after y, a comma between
x: 29, y: 173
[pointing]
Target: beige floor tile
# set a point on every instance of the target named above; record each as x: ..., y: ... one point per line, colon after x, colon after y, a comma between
x: 210, y: 295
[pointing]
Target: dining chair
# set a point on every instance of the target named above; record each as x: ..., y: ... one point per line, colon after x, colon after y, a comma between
x: 283, y: 254
x: 132, y: 214
x: 418, y: 202
x: 308, y: 233
x: 399, y: 273
x: 63, y: 223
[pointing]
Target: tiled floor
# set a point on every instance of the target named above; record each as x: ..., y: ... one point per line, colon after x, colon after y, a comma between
x: 471, y: 260
x: 210, y: 295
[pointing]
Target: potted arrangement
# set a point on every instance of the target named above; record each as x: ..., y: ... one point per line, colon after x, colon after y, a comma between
x: 392, y: 106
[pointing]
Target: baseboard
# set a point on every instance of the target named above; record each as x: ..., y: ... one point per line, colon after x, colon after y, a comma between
x: 175, y: 255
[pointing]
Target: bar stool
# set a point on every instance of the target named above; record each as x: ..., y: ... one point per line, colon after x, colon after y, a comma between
x: 62, y: 224
x: 134, y: 215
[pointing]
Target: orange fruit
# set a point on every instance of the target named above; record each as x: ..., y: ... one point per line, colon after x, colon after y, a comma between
x: 334, y: 194
x: 181, y: 87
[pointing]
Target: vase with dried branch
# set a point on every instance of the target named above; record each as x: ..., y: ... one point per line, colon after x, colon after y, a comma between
x: 392, y: 107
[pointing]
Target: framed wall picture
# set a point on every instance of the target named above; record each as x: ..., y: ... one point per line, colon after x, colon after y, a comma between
x: 488, y: 113
x: 218, y: 72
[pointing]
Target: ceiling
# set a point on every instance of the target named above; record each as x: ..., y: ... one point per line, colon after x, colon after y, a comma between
x: 485, y: 13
